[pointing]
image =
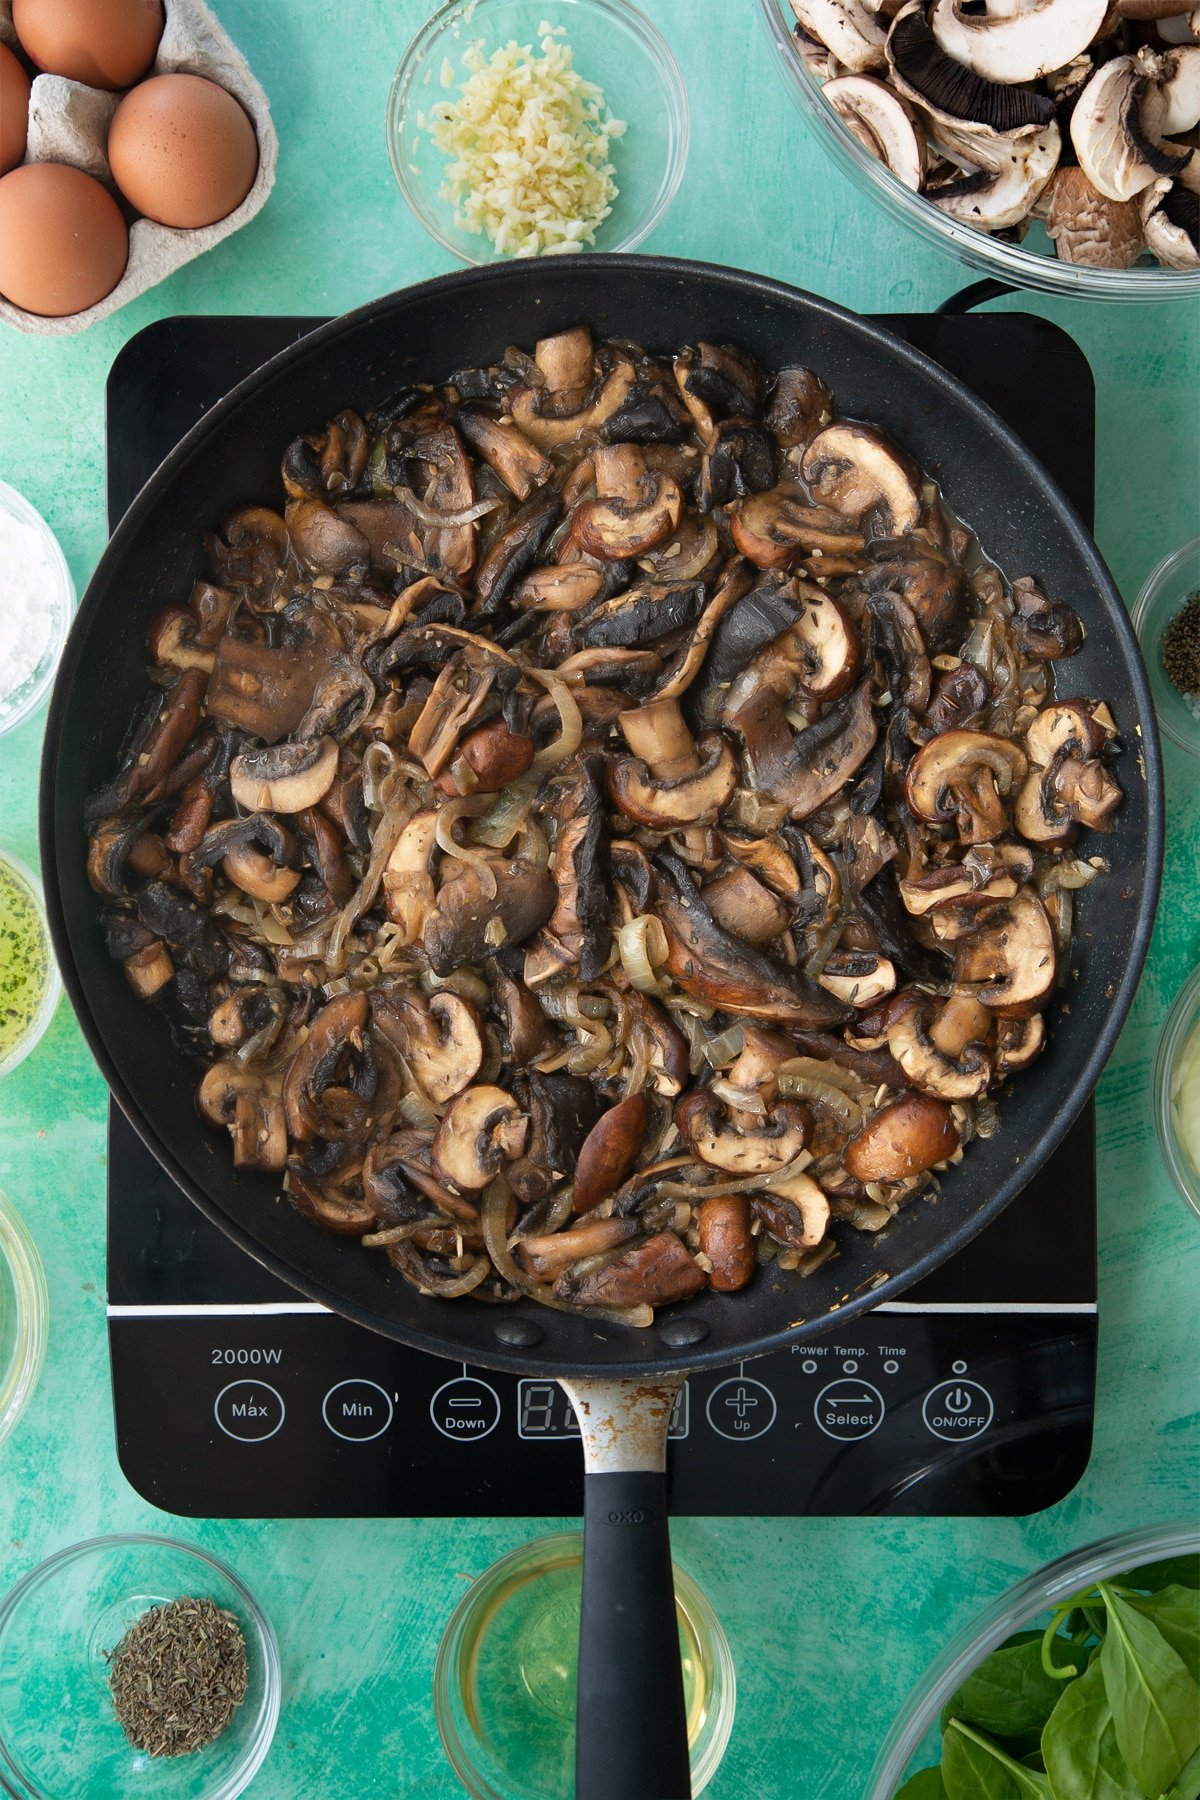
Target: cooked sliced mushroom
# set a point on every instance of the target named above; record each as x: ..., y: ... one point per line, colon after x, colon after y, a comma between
x: 407, y: 884
x: 609, y: 1152
x: 469, y: 920
x: 744, y: 907
x: 454, y: 701
x: 1009, y: 957
x: 483, y: 1129
x: 327, y: 543
x: 656, y: 1272
x: 248, y: 1104
x: 1020, y: 41
x: 707, y: 962
x: 768, y: 1144
x: 566, y: 405
x: 256, y: 853
x: 859, y: 977
x: 149, y: 970
x: 666, y: 801
x: 560, y: 587
x: 286, y: 778
x: 174, y: 639
x: 331, y: 1079
x: 796, y: 1214
x: 636, y: 509
x: 850, y: 29
x: 947, y: 1074
x: 854, y: 470
x: 883, y: 123
x: 1067, y: 786
x: 905, y: 1137
x: 576, y: 935
x: 718, y: 381
x: 442, y: 1041
x: 723, y: 1228
x: 805, y: 769
x: 519, y: 463
x: 1117, y: 130
x: 964, y: 776
x: 776, y: 528
x: 1019, y: 1042
x: 547, y: 1257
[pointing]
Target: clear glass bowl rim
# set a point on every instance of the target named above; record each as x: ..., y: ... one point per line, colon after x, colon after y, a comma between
x: 1177, y: 1027
x: 15, y: 502
x: 1158, y: 582
x: 1035, y: 1594
x: 1007, y: 262
x: 447, y: 1663
x: 399, y: 96
x: 20, y: 1379
x: 50, y: 999
x: 256, y: 1749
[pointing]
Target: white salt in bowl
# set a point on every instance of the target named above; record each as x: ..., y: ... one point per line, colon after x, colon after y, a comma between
x: 37, y: 601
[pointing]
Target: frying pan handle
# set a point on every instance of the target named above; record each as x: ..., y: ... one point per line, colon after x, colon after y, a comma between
x: 631, y: 1721
x: 977, y: 294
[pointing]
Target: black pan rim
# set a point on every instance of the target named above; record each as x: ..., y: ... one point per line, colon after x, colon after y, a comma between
x: 688, y: 1355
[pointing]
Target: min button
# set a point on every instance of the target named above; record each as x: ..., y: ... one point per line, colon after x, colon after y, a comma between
x: 249, y: 1410
x: 357, y: 1411
x: 957, y: 1411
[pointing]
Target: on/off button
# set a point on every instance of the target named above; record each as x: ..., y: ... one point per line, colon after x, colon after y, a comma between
x: 957, y: 1411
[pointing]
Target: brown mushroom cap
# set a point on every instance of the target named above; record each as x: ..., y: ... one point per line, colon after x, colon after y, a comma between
x: 905, y: 1137
x: 723, y: 1227
x: 609, y: 1152
x: 964, y: 776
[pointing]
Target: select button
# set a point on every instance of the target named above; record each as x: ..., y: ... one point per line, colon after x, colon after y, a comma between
x: 357, y: 1411
x: 251, y: 1411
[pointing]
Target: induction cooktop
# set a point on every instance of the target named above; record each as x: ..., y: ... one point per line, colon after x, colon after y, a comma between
x: 234, y: 1397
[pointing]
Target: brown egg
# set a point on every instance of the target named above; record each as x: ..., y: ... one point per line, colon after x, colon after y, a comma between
x: 14, y: 110
x: 63, y: 242
x: 107, y: 43
x: 182, y: 150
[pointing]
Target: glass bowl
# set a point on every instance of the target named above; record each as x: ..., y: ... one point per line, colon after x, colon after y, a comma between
x: 28, y: 695
x: 504, y: 1681
x: 24, y: 1312
x: 1022, y: 264
x: 914, y: 1740
x: 59, y: 1736
x: 31, y: 983
x: 1179, y: 1038
x: 614, y: 45
x: 1163, y: 593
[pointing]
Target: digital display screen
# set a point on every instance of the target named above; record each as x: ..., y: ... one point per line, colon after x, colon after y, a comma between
x: 544, y: 1411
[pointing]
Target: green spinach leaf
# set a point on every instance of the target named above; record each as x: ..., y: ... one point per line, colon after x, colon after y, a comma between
x: 1155, y: 1702
x: 1183, y: 1571
x: 1009, y: 1693
x: 974, y: 1768
x: 1176, y: 1612
x: 926, y: 1785
x: 1187, y: 1783
x: 1080, y: 1748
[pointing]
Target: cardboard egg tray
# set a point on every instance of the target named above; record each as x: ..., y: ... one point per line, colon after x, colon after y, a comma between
x: 68, y: 123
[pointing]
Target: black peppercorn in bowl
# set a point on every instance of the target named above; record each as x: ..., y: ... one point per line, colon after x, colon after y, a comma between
x: 59, y: 1626
x: 1169, y: 635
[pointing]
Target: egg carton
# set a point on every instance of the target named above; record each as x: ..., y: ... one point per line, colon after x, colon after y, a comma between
x: 68, y: 123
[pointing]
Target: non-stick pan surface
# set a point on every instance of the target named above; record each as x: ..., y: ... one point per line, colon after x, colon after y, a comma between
x: 232, y: 457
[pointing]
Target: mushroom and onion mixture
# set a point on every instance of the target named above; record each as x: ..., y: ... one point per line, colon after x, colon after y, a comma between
x: 611, y: 824
x: 1082, y: 113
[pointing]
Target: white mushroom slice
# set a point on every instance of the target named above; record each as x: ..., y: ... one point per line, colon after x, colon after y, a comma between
x: 883, y: 123
x: 855, y: 470
x: 1177, y: 74
x: 1115, y: 131
x: 996, y: 198
x: 949, y: 91
x: 1181, y: 28
x: 1015, y: 40
x: 1171, y: 221
x: 847, y: 28
x: 1088, y: 229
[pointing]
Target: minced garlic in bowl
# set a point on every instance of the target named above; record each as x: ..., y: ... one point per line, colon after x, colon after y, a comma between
x: 528, y: 140
x: 506, y: 120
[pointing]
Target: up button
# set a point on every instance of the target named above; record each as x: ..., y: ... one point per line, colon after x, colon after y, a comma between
x: 957, y: 1411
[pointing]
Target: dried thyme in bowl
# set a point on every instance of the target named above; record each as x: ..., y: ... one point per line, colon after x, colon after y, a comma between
x: 178, y: 1676
x: 1181, y: 651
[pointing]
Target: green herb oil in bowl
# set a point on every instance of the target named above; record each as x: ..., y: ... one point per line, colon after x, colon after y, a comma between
x: 29, y: 983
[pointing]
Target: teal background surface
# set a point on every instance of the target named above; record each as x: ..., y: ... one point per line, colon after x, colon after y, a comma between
x: 830, y: 1621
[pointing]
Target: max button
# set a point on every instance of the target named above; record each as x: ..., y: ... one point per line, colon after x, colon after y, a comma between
x: 957, y: 1411
x: 251, y: 1411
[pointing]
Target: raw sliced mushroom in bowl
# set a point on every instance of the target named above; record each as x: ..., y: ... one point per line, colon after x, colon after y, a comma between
x: 1052, y: 143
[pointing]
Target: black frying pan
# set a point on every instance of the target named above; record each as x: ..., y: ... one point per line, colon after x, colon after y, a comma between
x: 628, y: 1660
